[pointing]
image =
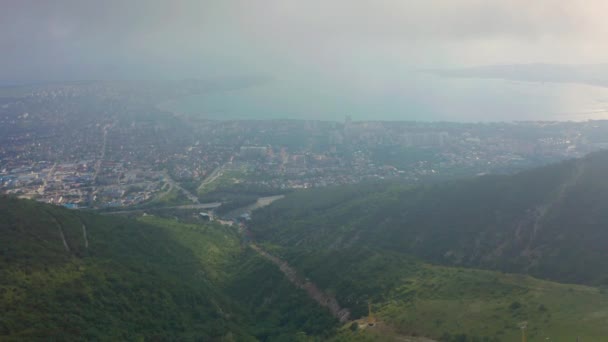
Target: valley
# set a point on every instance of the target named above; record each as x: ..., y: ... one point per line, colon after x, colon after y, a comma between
x: 314, y: 265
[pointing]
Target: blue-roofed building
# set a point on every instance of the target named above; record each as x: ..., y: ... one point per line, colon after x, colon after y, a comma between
x: 71, y: 205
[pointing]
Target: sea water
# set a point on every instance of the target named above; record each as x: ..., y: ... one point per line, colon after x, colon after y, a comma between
x: 416, y: 96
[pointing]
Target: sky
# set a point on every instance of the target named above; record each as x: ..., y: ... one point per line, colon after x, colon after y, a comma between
x: 86, y: 39
x: 364, y: 42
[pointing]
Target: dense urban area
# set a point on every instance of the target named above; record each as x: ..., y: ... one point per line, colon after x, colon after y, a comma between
x: 105, y: 145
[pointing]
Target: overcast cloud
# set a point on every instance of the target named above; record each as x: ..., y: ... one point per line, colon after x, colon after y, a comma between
x: 365, y: 53
x: 89, y: 39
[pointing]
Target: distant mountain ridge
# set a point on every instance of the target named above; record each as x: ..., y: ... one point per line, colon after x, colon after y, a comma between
x: 589, y: 74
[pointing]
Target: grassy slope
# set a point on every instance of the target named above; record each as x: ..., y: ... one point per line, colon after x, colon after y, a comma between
x: 420, y: 299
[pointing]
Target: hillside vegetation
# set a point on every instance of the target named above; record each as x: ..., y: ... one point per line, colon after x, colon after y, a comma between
x: 153, y: 279
x: 364, y: 243
x: 450, y: 303
x: 450, y: 262
x: 548, y: 222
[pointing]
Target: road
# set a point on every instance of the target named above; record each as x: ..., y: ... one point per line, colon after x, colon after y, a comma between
x: 102, y: 153
x: 211, y: 205
x: 260, y: 203
x: 175, y: 184
x: 48, y: 177
x: 211, y: 178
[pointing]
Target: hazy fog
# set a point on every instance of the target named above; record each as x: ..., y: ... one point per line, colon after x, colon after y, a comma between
x: 324, y: 51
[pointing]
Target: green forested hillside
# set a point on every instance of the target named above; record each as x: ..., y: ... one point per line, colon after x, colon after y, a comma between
x: 414, y: 253
x: 364, y: 243
x: 451, y: 303
x: 549, y: 222
x: 119, y: 279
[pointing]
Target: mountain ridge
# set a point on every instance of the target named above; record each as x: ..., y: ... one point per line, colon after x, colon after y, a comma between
x: 532, y: 222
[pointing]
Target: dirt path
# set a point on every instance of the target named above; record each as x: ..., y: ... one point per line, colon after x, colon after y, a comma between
x: 330, y: 302
x: 61, y: 233
x: 324, y: 299
x: 534, y: 221
x: 84, y: 234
